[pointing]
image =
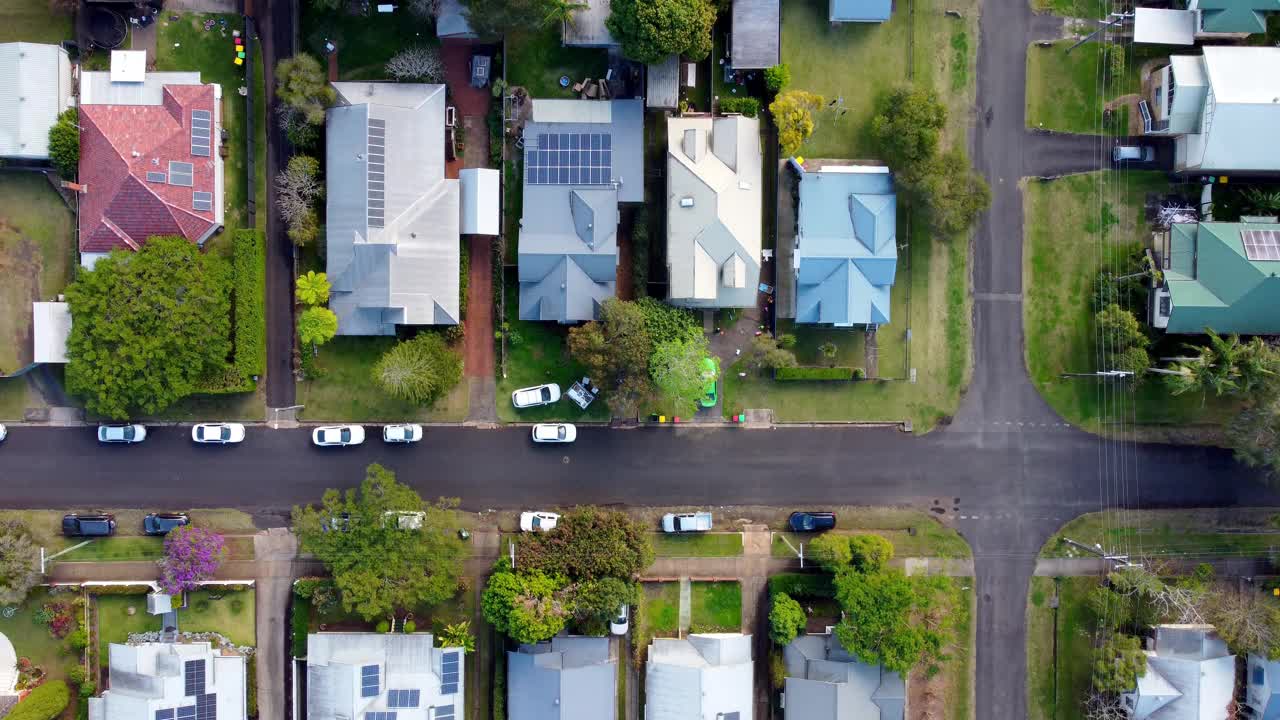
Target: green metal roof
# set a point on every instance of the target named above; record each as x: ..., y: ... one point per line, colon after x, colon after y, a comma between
x: 1236, y: 16
x: 1213, y: 284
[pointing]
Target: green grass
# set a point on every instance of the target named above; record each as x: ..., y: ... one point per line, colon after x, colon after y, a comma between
x: 346, y: 390
x: 37, y: 258
x: 959, y: 669
x: 365, y: 43
x: 541, y: 356
x: 205, y: 614
x: 46, y: 525
x: 1242, y: 532
x: 698, y: 545
x: 716, y: 606
x: 14, y: 398
x: 932, y: 542
x: 1073, y: 8
x: 661, y: 610
x: 124, y: 549
x: 1066, y: 92
x: 1064, y: 251
x: 536, y: 60
x: 31, y: 21
x: 115, y: 624
x: 32, y: 640
x: 1074, y: 658
x: 514, y: 205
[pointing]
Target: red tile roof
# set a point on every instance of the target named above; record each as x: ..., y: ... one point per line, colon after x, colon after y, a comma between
x: 119, y: 145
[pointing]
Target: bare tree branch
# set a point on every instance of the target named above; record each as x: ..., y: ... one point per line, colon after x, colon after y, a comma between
x: 416, y: 63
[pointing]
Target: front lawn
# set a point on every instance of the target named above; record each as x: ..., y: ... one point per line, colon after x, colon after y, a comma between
x: 1062, y: 663
x: 1156, y: 533
x: 365, y: 42
x: 32, y: 21
x: 345, y: 391
x: 660, y: 612
x: 32, y: 640
x: 37, y: 260
x: 124, y: 549
x: 120, y: 616
x: 716, y: 606
x: 698, y: 545
x: 1065, y: 91
x: 14, y: 398
x: 536, y: 60
x: 229, y: 613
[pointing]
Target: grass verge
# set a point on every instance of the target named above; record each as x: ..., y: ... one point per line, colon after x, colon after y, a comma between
x: 1066, y: 91
x: 1059, y: 662
x: 1174, y: 533
x: 126, y: 549
x: 698, y: 545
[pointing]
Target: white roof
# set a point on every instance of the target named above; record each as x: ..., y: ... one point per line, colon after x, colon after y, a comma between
x: 1164, y: 27
x: 336, y: 675
x: 97, y: 88
x: 1244, y: 74
x: 37, y: 87
x: 706, y: 676
x: 480, y: 207
x: 572, y: 111
x: 1188, y: 70
x: 1241, y: 122
x: 128, y: 65
x: 51, y: 326
x: 152, y: 676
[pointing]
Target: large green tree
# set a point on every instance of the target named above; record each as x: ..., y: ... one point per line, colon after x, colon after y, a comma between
x: 1254, y: 433
x: 148, y: 327
x: 615, y: 350
x: 906, y: 130
x: 786, y: 619
x: 596, y: 602
x: 652, y: 30
x: 677, y: 369
x: 19, y: 562
x: 1118, y: 663
x: 955, y: 193
x: 588, y: 543
x: 792, y: 113
x: 420, y: 370
x: 529, y: 607
x: 883, y: 618
x: 378, y: 566
x: 303, y: 85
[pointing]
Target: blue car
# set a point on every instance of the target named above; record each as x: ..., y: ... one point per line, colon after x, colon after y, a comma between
x: 811, y: 521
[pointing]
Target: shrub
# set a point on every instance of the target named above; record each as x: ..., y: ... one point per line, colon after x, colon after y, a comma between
x: 410, y: 626
x: 813, y: 373
x: 44, y: 703
x: 299, y: 624
x: 640, y: 253
x: 831, y: 551
x: 777, y: 669
x: 382, y: 626
x: 499, y: 703
x: 76, y: 674
x: 117, y: 589
x: 747, y: 106
x: 249, y: 264
x: 64, y: 143
x: 796, y: 585
x: 78, y: 639
x: 859, y: 374
x: 419, y: 371
x: 237, y: 606
x: 777, y: 77
x: 202, y: 605
x: 88, y: 689
x: 786, y: 619
x: 251, y: 691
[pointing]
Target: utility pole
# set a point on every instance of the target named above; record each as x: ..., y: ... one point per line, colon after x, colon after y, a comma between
x: 1119, y: 374
x: 1116, y: 18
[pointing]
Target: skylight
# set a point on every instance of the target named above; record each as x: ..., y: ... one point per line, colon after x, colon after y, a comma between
x: 180, y: 173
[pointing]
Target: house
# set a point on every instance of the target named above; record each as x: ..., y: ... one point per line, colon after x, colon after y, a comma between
x: 754, y: 35
x: 392, y: 215
x: 149, y: 160
x: 824, y: 682
x: 705, y: 676
x: 383, y: 676
x: 167, y: 681
x: 587, y: 28
x: 452, y: 22
x: 662, y: 84
x: 582, y: 158
x: 568, y: 678
x: 1217, y: 275
x: 37, y: 91
x: 1262, y: 687
x: 859, y: 11
x: 1190, y: 676
x: 1202, y: 19
x: 713, y: 211
x: 846, y: 249
x: 1219, y: 107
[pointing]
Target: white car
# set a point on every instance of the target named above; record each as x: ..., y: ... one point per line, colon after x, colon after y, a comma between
x: 121, y: 433
x: 535, y: 396
x: 618, y: 625
x: 538, y: 521
x: 218, y: 433
x: 3, y: 433
x: 554, y: 433
x: 337, y: 435
x: 409, y: 433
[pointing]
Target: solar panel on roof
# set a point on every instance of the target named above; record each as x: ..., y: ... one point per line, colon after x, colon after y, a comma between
x: 1261, y: 245
x: 156, y: 177
x: 444, y: 713
x: 380, y: 715
x: 369, y: 683
x: 166, y: 714
x: 201, y: 127
x: 403, y: 698
x: 187, y: 712
x: 180, y: 173
x: 201, y: 201
x: 207, y: 707
x: 375, y: 157
x: 569, y: 159
x: 193, y: 677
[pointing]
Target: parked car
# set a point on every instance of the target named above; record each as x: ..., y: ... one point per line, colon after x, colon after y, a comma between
x: 218, y: 433
x: 337, y: 435
x: 336, y: 523
x: 162, y: 523
x: 686, y: 522
x: 3, y: 433
x: 1132, y: 153
x: 88, y: 525
x: 538, y: 521
x: 408, y: 433
x: 121, y: 433
x: 618, y: 625
x: 709, y: 395
x: 554, y: 433
x: 535, y: 396
x: 811, y: 521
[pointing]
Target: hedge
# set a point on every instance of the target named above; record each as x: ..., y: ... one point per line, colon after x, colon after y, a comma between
x: 44, y: 703
x: 117, y: 589
x: 748, y: 106
x: 300, y: 625
x: 799, y: 585
x: 813, y: 373
x: 249, y: 261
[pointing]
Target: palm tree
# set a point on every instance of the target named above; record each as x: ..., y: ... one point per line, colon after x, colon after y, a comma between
x: 562, y: 11
x: 1257, y: 365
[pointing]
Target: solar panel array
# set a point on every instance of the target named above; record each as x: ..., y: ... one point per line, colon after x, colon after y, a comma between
x: 156, y: 177
x: 201, y: 127
x: 202, y: 200
x: 193, y: 677
x: 166, y: 714
x: 206, y: 706
x: 444, y: 713
x: 187, y: 712
x: 570, y: 159
x: 1261, y: 244
x: 449, y: 673
x: 376, y: 156
x: 404, y: 698
x: 380, y: 715
x: 369, y: 681
x: 180, y: 173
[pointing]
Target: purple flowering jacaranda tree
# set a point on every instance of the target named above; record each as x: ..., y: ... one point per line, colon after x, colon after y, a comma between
x: 191, y: 554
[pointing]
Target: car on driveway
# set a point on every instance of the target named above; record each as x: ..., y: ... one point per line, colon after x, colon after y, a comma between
x: 816, y: 521
x: 709, y: 372
x: 407, y: 433
x: 618, y: 625
x: 337, y: 435
x: 686, y: 522
x: 162, y: 523
x: 1132, y: 153
x: 218, y: 433
x: 538, y: 521
x: 121, y: 433
x: 88, y: 525
x: 554, y: 433
x: 536, y: 396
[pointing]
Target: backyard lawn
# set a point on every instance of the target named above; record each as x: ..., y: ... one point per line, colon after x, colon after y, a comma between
x: 716, y: 607
x: 37, y: 259
x: 346, y: 391
x: 31, y: 21
x: 120, y: 616
x: 229, y: 613
x: 536, y: 60
x: 1156, y: 533
x: 1063, y: 665
x: 365, y: 43
x: 1063, y: 89
x: 32, y: 640
x: 698, y: 545
x: 1074, y: 227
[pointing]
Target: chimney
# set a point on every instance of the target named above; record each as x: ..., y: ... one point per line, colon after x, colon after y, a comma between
x: 76, y: 187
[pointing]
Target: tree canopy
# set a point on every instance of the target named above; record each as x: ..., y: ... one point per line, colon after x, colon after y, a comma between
x: 588, y: 543
x: 652, y: 30
x: 792, y: 113
x: 883, y: 614
x: 615, y: 350
x: 302, y: 84
x: 1118, y: 663
x: 677, y: 369
x: 317, y: 325
x: 906, y: 128
x: 191, y: 555
x: 596, y: 602
x: 148, y: 327
x: 786, y: 619
x: 378, y: 566
x: 529, y: 607
x: 19, y: 562
x: 64, y: 143
x: 312, y: 288
x: 420, y: 370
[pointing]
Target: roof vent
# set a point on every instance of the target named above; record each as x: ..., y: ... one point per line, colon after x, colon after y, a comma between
x: 686, y: 202
x: 135, y: 153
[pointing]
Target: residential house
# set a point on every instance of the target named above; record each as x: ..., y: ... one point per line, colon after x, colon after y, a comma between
x: 1262, y: 687
x: 1217, y: 275
x: 149, y: 160
x: 1219, y: 107
x: 568, y: 678
x: 172, y: 681
x: 705, y: 676
x: 713, y: 211
x: 859, y: 11
x: 824, y: 682
x: 1190, y: 675
x: 392, y: 215
x: 753, y: 41
x: 846, y: 249
x: 38, y: 89
x: 582, y: 158
x: 383, y: 676
x: 1201, y: 20
x: 587, y: 28
x: 452, y: 22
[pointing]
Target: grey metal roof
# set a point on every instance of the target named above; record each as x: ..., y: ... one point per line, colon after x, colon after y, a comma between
x: 824, y: 682
x: 1190, y: 676
x: 37, y: 88
x: 96, y: 88
x: 406, y: 271
x: 754, y: 43
x: 588, y: 29
x: 451, y: 20
x: 662, y: 83
x: 569, y: 678
x: 704, y: 675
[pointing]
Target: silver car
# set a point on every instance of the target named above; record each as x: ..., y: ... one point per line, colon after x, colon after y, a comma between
x: 121, y: 433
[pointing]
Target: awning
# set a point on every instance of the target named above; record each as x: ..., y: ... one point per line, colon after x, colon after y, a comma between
x: 1164, y: 27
